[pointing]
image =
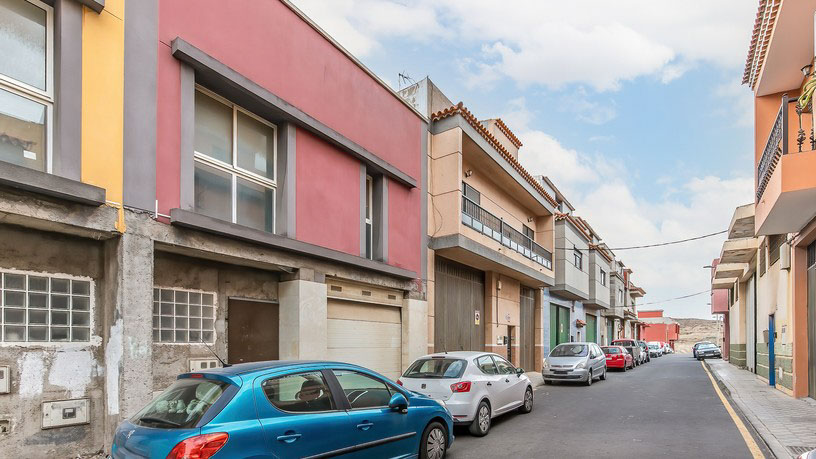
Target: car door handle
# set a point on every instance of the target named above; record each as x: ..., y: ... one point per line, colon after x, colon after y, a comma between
x: 490, y: 384
x: 506, y: 380
x: 289, y: 437
x: 365, y: 425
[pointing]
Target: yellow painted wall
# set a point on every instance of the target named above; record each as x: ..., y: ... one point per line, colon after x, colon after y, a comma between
x: 103, y: 63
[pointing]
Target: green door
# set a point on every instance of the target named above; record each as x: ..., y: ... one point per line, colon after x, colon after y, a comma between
x: 592, y: 328
x: 559, y: 325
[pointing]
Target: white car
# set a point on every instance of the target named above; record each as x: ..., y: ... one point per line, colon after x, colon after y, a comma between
x: 655, y: 347
x: 474, y: 386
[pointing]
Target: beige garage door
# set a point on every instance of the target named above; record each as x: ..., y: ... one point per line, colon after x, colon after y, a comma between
x: 365, y: 334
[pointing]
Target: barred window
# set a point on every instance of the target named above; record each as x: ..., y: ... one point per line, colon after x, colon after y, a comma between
x: 43, y: 308
x: 762, y: 258
x: 183, y: 316
x: 774, y: 243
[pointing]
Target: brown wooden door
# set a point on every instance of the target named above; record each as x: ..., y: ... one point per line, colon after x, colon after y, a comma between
x: 527, y: 329
x: 252, y: 331
x: 458, y: 299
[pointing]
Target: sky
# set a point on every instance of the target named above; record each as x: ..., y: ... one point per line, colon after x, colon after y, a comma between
x: 633, y: 108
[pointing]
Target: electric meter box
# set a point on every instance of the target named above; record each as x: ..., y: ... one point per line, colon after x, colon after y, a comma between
x: 5, y: 379
x: 65, y: 413
x: 203, y: 364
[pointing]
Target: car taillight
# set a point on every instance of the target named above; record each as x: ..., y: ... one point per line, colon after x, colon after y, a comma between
x: 463, y: 386
x: 199, y: 447
x: 399, y: 381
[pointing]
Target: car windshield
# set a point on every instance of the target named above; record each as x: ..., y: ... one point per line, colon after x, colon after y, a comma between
x: 654, y: 346
x: 436, y: 368
x: 182, y: 405
x: 569, y: 350
x: 610, y: 350
x: 707, y: 346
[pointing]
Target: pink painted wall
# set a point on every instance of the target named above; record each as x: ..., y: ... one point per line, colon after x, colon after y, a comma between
x: 328, y: 195
x: 271, y: 45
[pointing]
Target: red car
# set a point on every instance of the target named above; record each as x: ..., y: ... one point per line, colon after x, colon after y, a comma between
x: 618, y: 357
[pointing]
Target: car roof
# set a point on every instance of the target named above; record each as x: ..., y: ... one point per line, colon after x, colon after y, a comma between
x: 457, y: 354
x: 243, y: 368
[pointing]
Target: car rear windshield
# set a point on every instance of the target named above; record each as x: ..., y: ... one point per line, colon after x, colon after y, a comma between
x: 182, y: 405
x: 569, y: 350
x: 654, y: 346
x: 436, y: 368
x: 611, y: 350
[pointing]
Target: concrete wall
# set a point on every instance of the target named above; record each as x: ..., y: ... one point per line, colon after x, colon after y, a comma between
x: 773, y: 297
x: 567, y: 237
x: 598, y: 292
x: 45, y: 371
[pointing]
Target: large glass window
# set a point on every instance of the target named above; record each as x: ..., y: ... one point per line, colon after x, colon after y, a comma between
x: 26, y: 89
x: 183, y: 316
x: 235, y: 154
x: 42, y: 308
x: 369, y: 217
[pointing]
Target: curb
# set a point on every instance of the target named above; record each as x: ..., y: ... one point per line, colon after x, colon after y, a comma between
x: 770, y: 445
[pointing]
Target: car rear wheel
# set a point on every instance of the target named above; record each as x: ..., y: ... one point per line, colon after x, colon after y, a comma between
x: 434, y: 442
x: 603, y: 375
x: 481, y: 423
x: 527, y: 406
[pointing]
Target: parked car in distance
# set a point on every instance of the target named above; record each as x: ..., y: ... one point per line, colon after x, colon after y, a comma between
x: 633, y: 347
x: 707, y: 351
x: 668, y: 349
x: 644, y: 348
x: 618, y: 357
x: 575, y: 362
x: 284, y: 409
x: 696, y: 345
x: 655, y: 350
x: 474, y: 386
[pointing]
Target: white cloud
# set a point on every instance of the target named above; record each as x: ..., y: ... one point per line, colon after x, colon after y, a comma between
x: 737, y: 103
x: 686, y: 207
x: 596, y: 43
x: 588, y: 108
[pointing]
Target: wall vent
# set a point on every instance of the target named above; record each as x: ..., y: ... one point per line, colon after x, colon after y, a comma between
x: 392, y: 297
x: 366, y: 293
x: 336, y: 288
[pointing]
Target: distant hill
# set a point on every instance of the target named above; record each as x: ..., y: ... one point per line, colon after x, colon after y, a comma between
x: 694, y: 330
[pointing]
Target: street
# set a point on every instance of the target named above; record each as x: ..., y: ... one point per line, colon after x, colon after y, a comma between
x: 667, y: 407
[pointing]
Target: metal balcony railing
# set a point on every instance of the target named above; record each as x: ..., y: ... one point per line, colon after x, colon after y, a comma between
x: 777, y: 144
x: 476, y: 217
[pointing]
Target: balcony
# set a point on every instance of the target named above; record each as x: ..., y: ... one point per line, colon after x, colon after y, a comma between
x: 785, y: 180
x: 479, y: 219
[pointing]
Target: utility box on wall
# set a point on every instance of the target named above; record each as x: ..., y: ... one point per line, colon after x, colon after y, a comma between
x: 65, y: 413
x: 5, y: 379
x: 203, y: 364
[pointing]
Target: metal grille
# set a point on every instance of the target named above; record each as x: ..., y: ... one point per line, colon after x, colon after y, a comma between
x: 797, y: 450
x: 762, y: 258
x: 776, y: 146
x: 774, y: 243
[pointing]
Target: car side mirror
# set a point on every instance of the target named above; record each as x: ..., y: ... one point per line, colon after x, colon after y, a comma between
x: 519, y: 371
x: 398, y: 402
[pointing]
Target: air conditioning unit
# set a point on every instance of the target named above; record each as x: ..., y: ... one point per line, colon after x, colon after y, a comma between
x: 785, y: 256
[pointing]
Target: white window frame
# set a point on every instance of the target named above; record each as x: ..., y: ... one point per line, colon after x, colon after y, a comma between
x: 233, y: 169
x: 44, y: 97
x: 188, y: 343
x: 369, y: 218
x: 603, y: 277
x: 93, y: 339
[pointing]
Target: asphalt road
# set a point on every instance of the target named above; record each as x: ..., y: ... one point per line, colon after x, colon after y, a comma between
x: 665, y: 408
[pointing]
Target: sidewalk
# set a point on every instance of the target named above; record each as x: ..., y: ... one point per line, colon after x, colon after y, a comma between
x: 787, y: 425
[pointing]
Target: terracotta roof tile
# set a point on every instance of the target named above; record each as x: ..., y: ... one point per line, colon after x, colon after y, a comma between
x: 459, y: 109
x: 767, y: 12
x: 506, y: 130
x: 581, y: 229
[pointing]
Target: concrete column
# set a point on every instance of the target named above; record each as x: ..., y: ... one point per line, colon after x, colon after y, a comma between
x: 129, y: 344
x: 414, y: 330
x: 303, y: 324
x: 541, y: 335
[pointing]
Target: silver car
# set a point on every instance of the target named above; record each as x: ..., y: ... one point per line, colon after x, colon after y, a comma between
x: 581, y: 362
x: 474, y: 386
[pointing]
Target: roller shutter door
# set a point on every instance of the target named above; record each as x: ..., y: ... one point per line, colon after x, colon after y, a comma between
x: 369, y: 335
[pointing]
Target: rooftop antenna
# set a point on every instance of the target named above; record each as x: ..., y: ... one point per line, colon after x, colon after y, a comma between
x: 404, y: 78
x: 223, y: 362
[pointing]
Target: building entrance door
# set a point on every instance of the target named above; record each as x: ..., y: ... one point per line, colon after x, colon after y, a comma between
x: 610, y: 331
x: 591, y: 328
x: 559, y: 325
x: 527, y: 329
x: 252, y: 331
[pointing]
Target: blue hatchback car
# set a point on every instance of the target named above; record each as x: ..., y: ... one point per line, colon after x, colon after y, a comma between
x: 280, y: 409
